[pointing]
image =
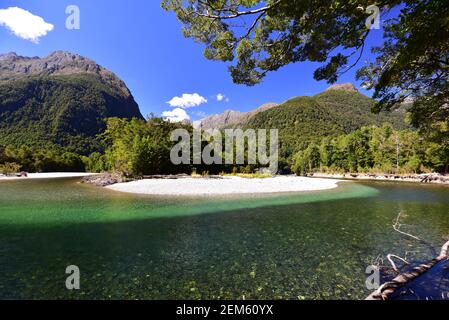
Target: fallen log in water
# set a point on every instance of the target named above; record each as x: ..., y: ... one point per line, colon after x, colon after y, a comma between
x: 387, y: 289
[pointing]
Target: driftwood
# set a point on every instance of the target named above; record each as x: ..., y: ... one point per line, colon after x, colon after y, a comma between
x: 390, y: 258
x: 397, y: 227
x: 432, y: 178
x: 387, y: 289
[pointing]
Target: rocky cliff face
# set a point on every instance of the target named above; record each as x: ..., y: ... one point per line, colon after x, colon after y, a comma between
x: 13, y: 67
x: 230, y: 118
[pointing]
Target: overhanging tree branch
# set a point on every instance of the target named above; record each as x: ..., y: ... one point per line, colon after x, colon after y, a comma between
x: 234, y: 15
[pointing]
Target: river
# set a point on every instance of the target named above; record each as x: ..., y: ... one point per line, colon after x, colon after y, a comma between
x: 312, y: 245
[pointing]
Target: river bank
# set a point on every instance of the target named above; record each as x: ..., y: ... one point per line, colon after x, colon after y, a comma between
x: 432, y: 178
x: 50, y: 175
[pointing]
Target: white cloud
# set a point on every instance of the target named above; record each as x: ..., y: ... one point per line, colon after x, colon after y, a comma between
x: 221, y: 97
x: 24, y: 24
x: 177, y: 115
x: 187, y: 100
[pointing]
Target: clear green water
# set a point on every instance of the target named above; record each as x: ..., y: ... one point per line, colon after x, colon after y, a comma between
x: 313, y: 245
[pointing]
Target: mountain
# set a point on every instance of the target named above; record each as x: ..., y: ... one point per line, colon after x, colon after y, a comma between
x: 230, y: 118
x: 61, y: 101
x: 348, y: 87
x: 338, y: 110
x: 341, y: 103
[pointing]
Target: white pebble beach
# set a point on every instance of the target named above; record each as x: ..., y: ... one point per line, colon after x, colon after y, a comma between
x: 225, y: 186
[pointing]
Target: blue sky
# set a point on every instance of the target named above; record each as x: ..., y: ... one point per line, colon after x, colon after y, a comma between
x: 144, y: 46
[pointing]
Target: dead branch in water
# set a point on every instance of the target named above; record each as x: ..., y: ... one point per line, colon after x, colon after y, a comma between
x: 387, y: 289
x: 397, y: 225
x: 390, y: 258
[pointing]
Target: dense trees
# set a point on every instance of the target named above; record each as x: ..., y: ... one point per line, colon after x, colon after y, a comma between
x: 39, y: 160
x: 372, y: 150
x: 133, y: 147
x: 139, y: 147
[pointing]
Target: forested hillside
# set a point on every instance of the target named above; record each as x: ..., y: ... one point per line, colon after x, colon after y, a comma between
x: 60, y: 102
x: 302, y: 120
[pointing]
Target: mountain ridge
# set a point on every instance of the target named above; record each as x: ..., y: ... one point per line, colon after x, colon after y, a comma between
x: 14, y: 66
x: 231, y: 118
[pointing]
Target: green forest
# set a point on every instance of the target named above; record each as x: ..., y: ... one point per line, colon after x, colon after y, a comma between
x: 137, y: 147
x: 372, y: 150
x: 302, y: 120
x: 332, y: 132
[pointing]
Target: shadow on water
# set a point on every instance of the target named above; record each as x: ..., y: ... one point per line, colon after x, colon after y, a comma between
x: 64, y: 201
x: 314, y: 246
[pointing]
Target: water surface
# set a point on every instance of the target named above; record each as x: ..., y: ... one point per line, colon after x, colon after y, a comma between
x: 313, y: 245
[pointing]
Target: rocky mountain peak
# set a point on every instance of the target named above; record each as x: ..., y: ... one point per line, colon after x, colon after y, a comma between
x: 231, y: 118
x: 9, y: 55
x: 343, y: 87
x: 13, y: 66
x: 62, y: 100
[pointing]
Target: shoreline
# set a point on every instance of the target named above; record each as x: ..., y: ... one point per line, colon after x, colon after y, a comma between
x: 226, y: 186
x: 49, y: 175
x: 427, y: 178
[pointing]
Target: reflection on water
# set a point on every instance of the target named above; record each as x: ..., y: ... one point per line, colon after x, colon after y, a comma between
x: 312, y: 245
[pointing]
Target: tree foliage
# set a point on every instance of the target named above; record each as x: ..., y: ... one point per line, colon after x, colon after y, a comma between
x: 372, y: 149
x: 9, y: 168
x: 40, y: 160
x: 259, y: 36
x: 263, y: 35
x: 140, y: 147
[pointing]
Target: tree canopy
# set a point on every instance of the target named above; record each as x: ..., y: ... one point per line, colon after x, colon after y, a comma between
x: 259, y: 36
x: 372, y: 150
